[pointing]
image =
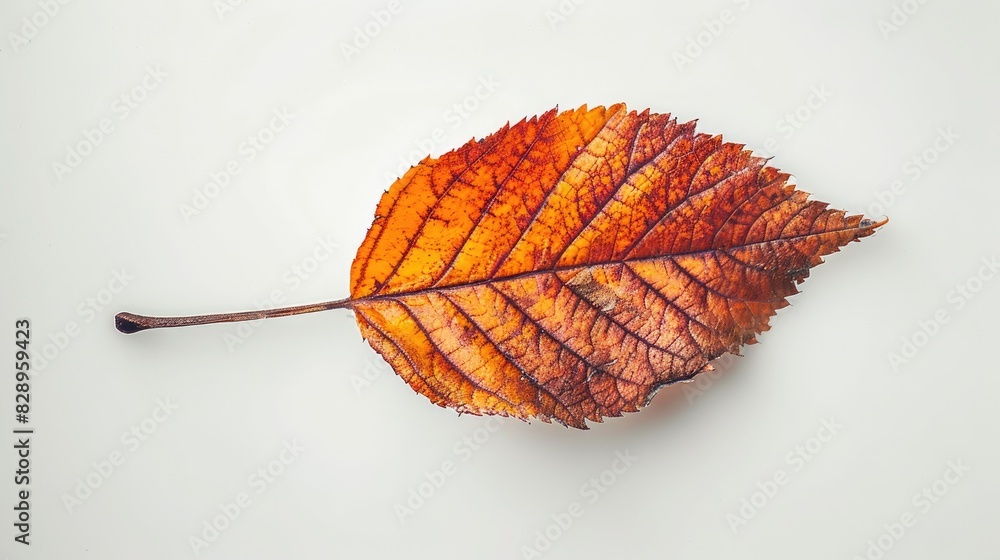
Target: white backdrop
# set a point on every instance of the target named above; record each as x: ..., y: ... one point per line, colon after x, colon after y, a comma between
x: 195, y: 157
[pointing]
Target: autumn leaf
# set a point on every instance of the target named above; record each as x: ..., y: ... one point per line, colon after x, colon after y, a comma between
x: 568, y: 266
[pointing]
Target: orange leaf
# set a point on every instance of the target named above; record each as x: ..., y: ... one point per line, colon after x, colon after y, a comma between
x: 567, y: 267
x: 570, y: 265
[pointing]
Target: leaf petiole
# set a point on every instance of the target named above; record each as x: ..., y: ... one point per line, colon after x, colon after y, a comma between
x: 129, y: 323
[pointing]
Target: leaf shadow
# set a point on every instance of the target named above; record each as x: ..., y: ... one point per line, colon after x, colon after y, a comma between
x: 667, y: 406
x: 678, y: 398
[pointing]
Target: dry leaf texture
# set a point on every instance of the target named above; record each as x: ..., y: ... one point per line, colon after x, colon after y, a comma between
x: 568, y: 266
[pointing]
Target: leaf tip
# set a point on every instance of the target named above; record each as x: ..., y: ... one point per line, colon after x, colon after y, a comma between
x: 867, y: 226
x: 868, y: 223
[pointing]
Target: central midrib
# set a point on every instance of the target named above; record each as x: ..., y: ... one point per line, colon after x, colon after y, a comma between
x: 452, y: 287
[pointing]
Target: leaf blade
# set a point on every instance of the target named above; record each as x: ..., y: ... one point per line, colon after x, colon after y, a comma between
x: 569, y: 265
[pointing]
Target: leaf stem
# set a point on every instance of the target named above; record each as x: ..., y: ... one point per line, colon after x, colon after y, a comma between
x: 129, y: 323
